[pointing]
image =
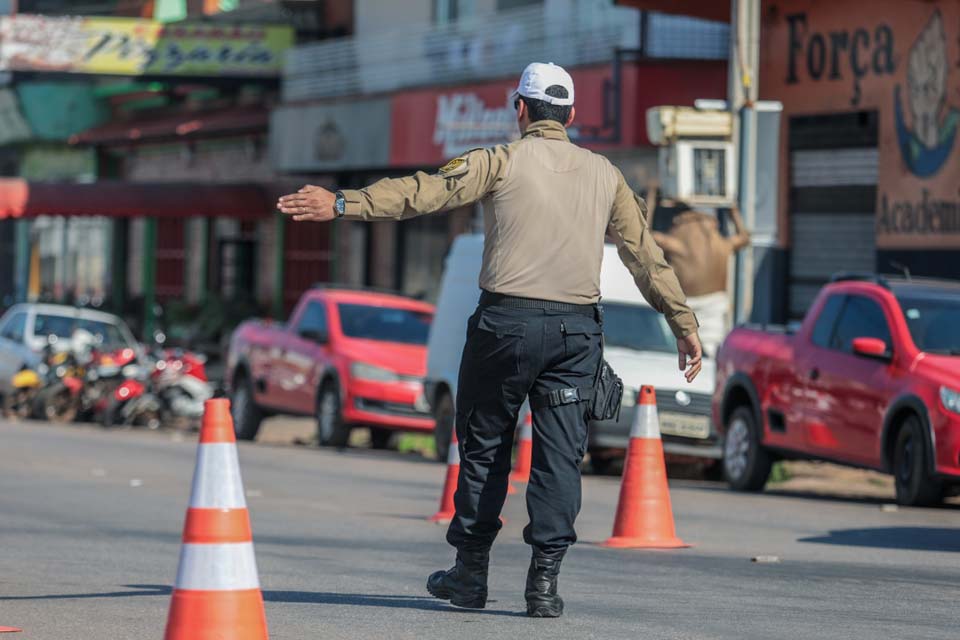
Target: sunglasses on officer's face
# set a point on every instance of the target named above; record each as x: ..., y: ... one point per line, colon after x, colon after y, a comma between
x: 516, y: 104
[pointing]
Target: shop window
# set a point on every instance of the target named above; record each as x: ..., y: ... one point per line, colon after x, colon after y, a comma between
x: 237, y: 268
x: 445, y: 11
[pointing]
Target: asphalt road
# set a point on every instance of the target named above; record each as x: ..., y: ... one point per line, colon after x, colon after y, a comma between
x: 90, y: 527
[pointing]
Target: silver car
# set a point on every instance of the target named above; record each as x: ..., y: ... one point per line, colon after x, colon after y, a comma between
x: 26, y: 328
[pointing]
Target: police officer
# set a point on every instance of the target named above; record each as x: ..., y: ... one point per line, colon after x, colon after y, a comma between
x: 548, y: 205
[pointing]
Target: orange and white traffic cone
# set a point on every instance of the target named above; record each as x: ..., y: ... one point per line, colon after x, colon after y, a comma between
x: 447, y: 509
x: 217, y: 594
x: 521, y: 467
x: 644, y: 514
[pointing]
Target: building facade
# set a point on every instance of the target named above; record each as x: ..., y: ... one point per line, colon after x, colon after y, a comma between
x: 188, y: 156
x: 409, y: 91
x: 870, y: 157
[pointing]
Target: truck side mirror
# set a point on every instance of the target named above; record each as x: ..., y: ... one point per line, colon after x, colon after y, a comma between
x: 872, y: 348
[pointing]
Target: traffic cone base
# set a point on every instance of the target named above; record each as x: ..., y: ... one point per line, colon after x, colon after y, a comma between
x: 217, y: 594
x: 642, y: 543
x: 644, y: 517
x: 203, y: 615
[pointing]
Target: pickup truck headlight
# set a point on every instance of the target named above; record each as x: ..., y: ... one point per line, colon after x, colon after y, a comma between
x: 364, y: 371
x: 950, y: 399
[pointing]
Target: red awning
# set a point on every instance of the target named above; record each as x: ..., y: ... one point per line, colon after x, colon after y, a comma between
x: 22, y: 199
x: 706, y: 9
x: 179, y: 126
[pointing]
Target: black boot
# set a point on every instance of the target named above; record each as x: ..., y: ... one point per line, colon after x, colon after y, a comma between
x: 541, y: 591
x: 465, y: 585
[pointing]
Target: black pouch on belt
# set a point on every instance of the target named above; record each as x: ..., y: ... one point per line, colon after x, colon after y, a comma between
x: 607, y: 393
x: 607, y: 386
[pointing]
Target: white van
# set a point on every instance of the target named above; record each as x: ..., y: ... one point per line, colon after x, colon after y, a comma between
x: 639, y: 347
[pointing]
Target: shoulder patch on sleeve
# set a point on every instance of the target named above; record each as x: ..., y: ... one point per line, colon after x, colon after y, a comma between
x: 456, y: 167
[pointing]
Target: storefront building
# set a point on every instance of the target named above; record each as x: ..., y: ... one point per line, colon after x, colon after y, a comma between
x: 870, y: 157
x: 37, y: 119
x: 179, y: 143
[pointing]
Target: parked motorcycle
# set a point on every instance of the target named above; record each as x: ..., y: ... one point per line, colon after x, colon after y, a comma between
x: 104, y: 374
x: 133, y: 404
x: 180, y: 381
x: 59, y: 398
x: 174, y: 392
x: 25, y: 385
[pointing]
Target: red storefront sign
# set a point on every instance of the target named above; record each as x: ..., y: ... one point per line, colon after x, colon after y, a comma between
x: 431, y: 125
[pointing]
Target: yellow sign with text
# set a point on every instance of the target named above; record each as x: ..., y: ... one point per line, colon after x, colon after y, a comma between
x: 132, y: 46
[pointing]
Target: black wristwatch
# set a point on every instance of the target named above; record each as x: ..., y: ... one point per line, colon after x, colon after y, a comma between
x: 340, y: 204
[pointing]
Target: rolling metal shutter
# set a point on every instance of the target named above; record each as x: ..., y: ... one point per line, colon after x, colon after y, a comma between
x: 833, y: 187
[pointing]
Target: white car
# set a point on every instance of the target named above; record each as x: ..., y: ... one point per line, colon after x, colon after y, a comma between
x: 638, y: 345
x: 25, y: 329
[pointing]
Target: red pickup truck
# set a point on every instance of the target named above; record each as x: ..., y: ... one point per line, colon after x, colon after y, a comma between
x: 870, y: 379
x: 350, y: 358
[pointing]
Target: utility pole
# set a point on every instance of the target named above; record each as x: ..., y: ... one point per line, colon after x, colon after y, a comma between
x: 743, y: 71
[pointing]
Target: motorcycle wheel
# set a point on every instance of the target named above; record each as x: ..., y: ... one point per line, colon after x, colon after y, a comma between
x: 18, y: 404
x: 56, y: 404
x: 113, y: 414
x: 149, y: 419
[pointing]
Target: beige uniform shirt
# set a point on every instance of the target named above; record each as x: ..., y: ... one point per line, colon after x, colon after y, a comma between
x: 548, y: 205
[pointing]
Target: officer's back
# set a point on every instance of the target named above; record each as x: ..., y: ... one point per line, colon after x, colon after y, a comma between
x: 547, y: 217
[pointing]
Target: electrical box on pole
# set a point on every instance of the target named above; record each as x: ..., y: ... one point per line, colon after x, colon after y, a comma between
x: 696, y: 156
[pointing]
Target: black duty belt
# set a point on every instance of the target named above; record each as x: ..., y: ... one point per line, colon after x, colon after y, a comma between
x: 488, y: 299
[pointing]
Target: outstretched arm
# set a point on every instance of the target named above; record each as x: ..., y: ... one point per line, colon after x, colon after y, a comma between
x: 461, y: 181
x: 654, y: 277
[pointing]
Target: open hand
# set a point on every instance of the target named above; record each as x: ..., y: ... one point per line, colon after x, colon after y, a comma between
x: 691, y: 354
x: 309, y: 203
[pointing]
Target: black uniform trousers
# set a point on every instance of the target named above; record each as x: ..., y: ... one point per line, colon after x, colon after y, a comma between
x: 510, y: 353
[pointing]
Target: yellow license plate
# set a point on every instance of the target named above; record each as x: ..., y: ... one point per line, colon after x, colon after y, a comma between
x: 685, y: 425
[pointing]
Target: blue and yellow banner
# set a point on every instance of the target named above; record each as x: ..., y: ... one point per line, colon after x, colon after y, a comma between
x: 135, y: 47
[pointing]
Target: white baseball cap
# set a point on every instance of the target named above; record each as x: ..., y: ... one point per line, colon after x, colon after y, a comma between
x: 538, y: 76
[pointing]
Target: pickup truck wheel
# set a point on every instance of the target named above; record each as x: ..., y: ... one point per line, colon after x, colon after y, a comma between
x: 913, y: 483
x: 246, y: 414
x: 331, y: 430
x: 746, y: 464
x: 443, y: 427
